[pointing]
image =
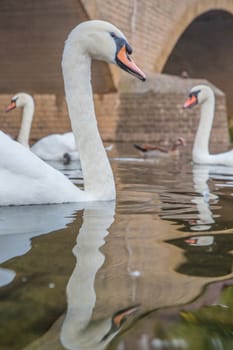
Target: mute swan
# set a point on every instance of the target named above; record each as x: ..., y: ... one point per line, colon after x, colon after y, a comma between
x: 152, y: 150
x: 58, y: 147
x: 25, y: 178
x: 52, y: 147
x: 204, y: 95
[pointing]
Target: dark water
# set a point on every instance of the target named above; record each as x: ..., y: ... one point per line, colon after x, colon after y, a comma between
x: 151, y: 271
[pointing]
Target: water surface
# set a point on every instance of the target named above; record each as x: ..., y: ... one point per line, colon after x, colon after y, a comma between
x: 150, y: 271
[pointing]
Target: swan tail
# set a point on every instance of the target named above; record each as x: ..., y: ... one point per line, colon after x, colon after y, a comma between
x: 66, y: 158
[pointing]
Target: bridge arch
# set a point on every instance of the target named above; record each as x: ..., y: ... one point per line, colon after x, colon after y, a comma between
x: 187, y: 15
x: 31, y: 43
x: 205, y: 50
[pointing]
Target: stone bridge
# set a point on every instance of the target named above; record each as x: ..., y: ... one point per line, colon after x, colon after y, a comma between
x: 168, y: 36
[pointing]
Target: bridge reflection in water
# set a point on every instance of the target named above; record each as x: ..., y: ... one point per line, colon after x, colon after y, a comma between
x: 130, y: 266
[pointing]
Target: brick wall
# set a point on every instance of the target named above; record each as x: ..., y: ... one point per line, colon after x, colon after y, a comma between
x: 141, y: 112
x: 32, y: 35
x: 31, y: 43
x: 153, y: 112
x: 158, y: 115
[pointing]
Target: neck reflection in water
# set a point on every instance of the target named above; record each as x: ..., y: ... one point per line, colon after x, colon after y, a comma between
x: 207, y: 255
x: 201, y: 175
x: 211, y: 209
x: 79, y: 330
x: 205, y: 207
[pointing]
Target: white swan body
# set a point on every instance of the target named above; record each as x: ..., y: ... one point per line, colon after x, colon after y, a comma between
x: 26, y: 179
x: 204, y: 95
x: 51, y: 147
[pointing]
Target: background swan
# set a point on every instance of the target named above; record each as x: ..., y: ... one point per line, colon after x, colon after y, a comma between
x: 57, y: 147
x: 25, y: 178
x: 204, y: 95
x: 51, y: 147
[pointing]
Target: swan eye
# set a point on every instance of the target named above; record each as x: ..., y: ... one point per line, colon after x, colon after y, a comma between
x: 122, y: 42
x: 113, y: 35
x: 129, y: 49
x: 194, y: 93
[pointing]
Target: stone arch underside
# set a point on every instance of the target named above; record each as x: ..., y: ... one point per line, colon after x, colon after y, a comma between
x: 205, y: 50
x: 186, y: 13
x: 201, y: 45
x: 32, y: 35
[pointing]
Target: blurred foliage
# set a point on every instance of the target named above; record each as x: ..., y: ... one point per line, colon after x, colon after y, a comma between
x: 231, y: 133
x: 209, y: 328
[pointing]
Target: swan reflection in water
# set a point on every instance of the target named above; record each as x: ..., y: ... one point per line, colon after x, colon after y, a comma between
x: 79, y: 329
x: 208, y: 254
x: 201, y: 175
x: 222, y: 176
x: 19, y: 224
x: 203, y: 209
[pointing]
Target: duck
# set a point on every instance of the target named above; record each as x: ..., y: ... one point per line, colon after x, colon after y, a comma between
x: 203, y: 95
x: 155, y: 151
x: 26, y: 179
x: 55, y: 147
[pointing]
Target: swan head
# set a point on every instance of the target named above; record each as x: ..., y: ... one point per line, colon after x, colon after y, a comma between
x: 20, y: 100
x: 198, y: 95
x: 101, y: 40
x: 117, y: 321
x: 180, y: 142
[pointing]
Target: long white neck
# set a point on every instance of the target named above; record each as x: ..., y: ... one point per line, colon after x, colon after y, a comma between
x: 97, y: 172
x: 25, y: 128
x: 201, y: 142
x: 200, y: 182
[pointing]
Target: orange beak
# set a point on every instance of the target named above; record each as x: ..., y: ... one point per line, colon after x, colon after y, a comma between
x: 11, y: 106
x: 191, y: 241
x: 126, y: 63
x: 191, y: 101
x: 120, y: 316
